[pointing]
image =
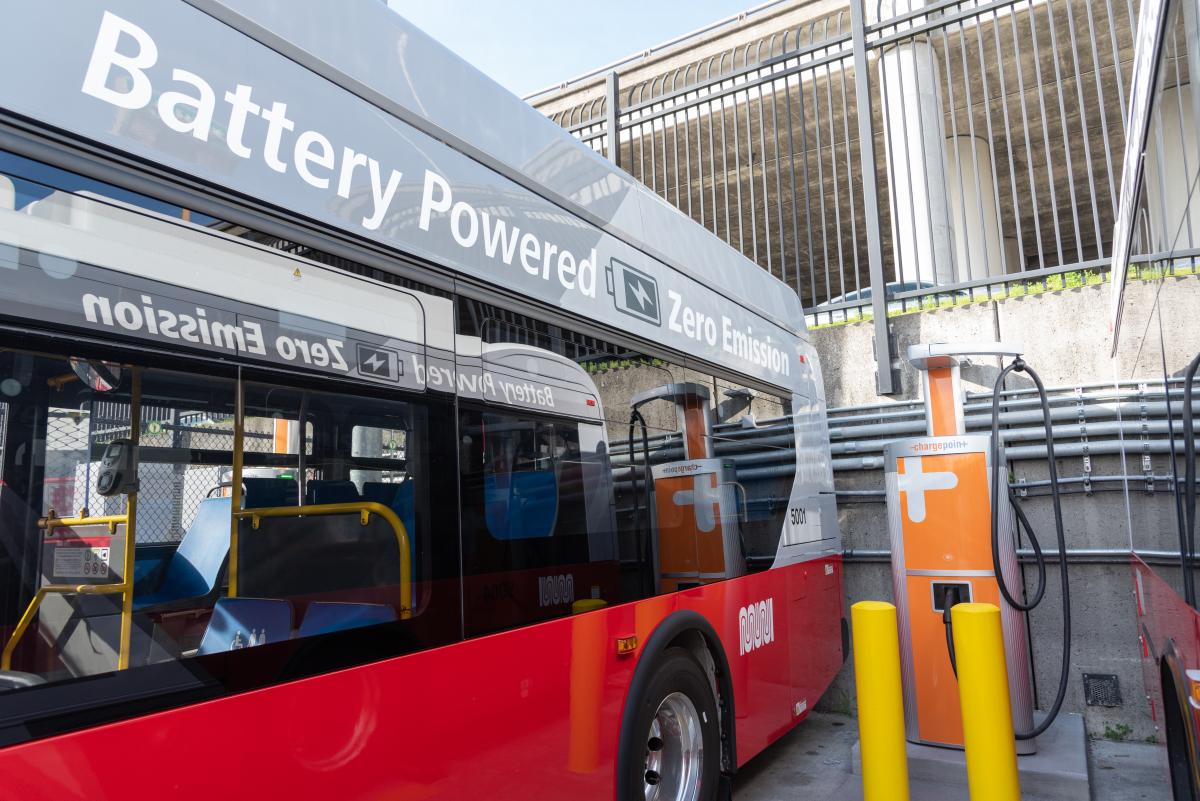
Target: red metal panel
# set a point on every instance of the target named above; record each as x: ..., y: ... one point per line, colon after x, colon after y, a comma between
x: 1163, y: 617
x: 528, y: 713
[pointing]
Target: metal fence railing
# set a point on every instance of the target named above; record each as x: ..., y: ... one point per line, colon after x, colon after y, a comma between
x: 996, y: 131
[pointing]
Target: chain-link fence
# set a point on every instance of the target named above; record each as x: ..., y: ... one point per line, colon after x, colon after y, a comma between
x: 67, y: 441
x: 184, y: 457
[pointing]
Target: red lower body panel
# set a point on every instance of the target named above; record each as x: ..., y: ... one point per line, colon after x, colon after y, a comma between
x: 530, y: 713
x: 1166, y: 625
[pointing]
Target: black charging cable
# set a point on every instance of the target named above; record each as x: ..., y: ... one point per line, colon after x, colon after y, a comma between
x: 643, y: 533
x: 951, y: 592
x: 1019, y: 366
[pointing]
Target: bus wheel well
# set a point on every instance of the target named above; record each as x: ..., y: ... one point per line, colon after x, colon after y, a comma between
x: 1181, y: 745
x: 693, y: 641
x: 691, y: 631
x: 706, y: 648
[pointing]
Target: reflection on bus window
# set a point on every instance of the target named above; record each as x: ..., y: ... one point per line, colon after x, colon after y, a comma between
x: 34, y: 181
x: 670, y: 434
x: 757, y: 431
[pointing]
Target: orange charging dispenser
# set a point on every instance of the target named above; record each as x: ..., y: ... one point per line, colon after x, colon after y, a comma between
x: 939, y: 516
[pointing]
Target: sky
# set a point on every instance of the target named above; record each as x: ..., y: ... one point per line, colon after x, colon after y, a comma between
x: 527, y: 45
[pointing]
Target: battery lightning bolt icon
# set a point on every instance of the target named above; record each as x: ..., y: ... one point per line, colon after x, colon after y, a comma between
x: 378, y: 363
x: 633, y: 291
x: 640, y: 293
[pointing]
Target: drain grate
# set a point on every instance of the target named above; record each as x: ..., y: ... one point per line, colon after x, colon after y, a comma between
x: 1101, y: 689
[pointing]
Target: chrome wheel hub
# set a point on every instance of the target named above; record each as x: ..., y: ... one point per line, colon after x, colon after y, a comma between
x: 674, y: 751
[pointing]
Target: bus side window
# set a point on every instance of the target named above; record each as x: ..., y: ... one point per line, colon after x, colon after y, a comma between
x: 329, y: 530
x: 536, y: 537
x: 73, y: 533
x: 346, y: 550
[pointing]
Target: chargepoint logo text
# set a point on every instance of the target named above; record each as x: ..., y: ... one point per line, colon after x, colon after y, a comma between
x: 756, y: 626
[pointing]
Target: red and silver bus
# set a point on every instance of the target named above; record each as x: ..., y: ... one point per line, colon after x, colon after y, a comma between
x: 362, y: 435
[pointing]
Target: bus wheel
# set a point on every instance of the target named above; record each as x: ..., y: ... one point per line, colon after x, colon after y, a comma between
x: 675, y: 755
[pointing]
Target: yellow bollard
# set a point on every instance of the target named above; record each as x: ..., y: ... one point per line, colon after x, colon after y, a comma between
x: 986, y: 711
x: 880, y: 701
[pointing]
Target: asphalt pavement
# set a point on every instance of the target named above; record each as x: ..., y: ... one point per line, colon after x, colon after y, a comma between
x: 812, y: 763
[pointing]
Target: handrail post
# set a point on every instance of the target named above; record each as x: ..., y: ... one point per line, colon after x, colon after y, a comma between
x: 19, y: 631
x: 884, y: 752
x: 135, y: 438
x: 235, y: 502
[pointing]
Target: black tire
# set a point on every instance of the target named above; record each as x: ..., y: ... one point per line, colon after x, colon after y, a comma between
x: 675, y: 671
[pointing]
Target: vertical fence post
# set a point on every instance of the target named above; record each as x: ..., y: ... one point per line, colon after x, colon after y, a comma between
x: 883, y: 750
x: 1191, y: 22
x: 866, y: 147
x: 612, y: 90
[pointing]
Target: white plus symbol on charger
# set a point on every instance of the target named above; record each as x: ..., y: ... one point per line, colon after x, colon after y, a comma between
x: 705, y: 499
x: 914, y: 482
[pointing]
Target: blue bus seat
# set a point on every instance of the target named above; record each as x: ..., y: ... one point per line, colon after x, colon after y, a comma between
x: 404, y: 504
x: 323, y: 617
x: 264, y: 492
x: 380, y: 492
x: 402, y: 500
x: 319, y: 491
x: 246, y: 622
x: 405, y: 507
x: 522, y: 506
x: 194, y: 570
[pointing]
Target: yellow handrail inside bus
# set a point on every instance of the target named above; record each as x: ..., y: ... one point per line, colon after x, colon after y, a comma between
x: 125, y: 587
x: 112, y: 521
x: 239, y: 436
x: 364, y: 509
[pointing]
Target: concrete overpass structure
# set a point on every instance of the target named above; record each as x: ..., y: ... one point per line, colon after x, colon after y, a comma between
x: 997, y: 134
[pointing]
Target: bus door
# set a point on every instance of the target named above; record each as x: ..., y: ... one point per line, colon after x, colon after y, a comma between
x: 73, y: 417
